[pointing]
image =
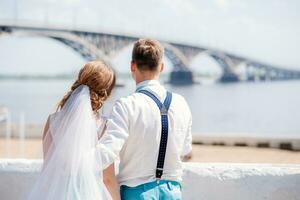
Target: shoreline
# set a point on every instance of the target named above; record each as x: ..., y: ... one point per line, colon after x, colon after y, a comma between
x: 32, y: 149
x: 285, y: 142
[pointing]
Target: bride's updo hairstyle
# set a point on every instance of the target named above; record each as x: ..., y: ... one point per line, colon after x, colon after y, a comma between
x: 99, y: 77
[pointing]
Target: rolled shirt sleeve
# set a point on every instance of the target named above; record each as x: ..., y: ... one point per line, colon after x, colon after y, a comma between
x: 108, y: 148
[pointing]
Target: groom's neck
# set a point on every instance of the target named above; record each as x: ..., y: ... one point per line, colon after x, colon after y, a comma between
x: 137, y: 82
x: 146, y: 77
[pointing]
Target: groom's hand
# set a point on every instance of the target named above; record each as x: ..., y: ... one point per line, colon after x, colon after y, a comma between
x: 187, y: 157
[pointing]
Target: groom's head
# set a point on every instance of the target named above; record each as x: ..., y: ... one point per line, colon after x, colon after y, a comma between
x: 146, y: 62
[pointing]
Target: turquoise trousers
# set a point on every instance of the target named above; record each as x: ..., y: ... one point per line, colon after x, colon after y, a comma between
x: 162, y: 190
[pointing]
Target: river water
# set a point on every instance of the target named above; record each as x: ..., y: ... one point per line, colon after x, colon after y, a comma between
x: 271, y: 108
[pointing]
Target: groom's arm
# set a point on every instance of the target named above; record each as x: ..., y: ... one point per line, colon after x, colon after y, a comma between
x: 186, y: 153
x: 115, y: 135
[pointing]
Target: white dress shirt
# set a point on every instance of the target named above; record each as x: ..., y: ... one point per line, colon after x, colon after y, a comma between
x: 133, y: 134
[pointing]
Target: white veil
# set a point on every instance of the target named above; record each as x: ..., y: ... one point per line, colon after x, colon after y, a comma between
x: 70, y: 172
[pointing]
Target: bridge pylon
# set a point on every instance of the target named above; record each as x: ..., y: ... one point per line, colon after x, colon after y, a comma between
x: 229, y: 77
x: 181, y: 78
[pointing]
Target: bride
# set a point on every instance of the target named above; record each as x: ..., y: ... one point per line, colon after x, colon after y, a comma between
x: 70, y: 171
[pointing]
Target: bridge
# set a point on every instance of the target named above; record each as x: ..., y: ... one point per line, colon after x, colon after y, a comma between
x: 92, y: 45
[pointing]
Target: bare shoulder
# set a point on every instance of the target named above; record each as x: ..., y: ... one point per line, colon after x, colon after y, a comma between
x: 46, y: 127
x: 48, y: 123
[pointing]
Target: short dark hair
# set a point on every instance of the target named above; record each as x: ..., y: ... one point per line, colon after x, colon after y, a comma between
x: 147, y: 54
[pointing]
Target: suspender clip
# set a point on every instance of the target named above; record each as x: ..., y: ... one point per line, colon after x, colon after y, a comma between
x: 163, y: 110
x: 158, y: 173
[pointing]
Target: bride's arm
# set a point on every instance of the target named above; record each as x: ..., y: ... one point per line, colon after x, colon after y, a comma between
x: 109, y: 177
x: 111, y: 183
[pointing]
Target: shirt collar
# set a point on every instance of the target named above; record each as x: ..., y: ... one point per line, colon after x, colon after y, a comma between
x: 146, y: 83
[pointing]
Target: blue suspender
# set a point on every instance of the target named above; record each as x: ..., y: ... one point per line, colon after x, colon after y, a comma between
x: 164, y: 129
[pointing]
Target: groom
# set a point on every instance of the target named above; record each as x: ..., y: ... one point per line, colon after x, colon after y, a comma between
x: 149, y: 131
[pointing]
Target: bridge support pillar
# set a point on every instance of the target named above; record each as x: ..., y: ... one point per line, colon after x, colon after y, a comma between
x: 229, y: 77
x: 181, y: 78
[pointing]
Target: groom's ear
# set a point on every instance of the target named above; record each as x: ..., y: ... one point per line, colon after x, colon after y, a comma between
x: 162, y: 67
x: 133, y: 66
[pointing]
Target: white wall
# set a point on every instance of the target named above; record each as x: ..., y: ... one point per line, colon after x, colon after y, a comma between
x: 211, y: 181
x: 241, y: 182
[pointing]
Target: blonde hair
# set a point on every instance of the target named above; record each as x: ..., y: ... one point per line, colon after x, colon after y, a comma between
x: 99, y: 77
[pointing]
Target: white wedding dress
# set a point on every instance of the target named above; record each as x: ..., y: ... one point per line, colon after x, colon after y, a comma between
x: 70, y: 170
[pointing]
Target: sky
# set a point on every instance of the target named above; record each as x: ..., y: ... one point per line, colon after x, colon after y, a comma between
x: 264, y: 30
